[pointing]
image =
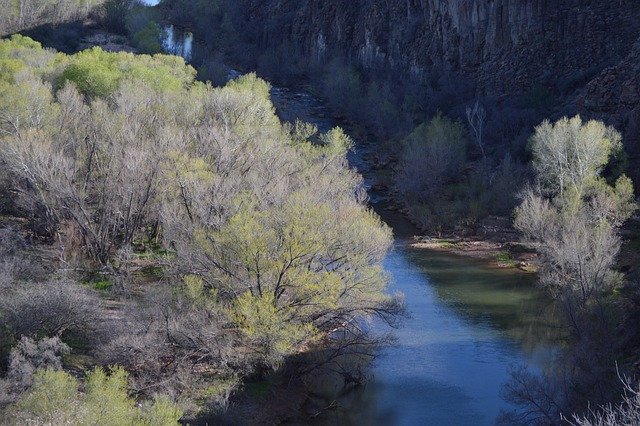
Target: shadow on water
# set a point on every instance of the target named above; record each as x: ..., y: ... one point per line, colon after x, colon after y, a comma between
x: 469, y: 325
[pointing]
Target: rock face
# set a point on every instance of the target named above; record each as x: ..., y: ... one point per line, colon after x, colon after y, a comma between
x: 504, y: 45
x: 614, y: 97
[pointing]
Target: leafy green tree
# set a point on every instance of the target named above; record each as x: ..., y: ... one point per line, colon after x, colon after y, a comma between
x: 113, y: 14
x: 569, y: 155
x: 433, y: 156
x: 98, y: 74
x: 269, y: 244
x: 148, y: 39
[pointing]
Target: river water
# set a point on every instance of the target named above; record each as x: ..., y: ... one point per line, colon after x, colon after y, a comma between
x: 469, y: 324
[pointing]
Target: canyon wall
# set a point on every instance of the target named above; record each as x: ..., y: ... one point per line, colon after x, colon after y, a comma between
x: 504, y: 45
x: 576, y: 49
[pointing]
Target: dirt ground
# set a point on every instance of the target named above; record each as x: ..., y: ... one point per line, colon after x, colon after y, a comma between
x: 492, y: 240
x: 496, y: 242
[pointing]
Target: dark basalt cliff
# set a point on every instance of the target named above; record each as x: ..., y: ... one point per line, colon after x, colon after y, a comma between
x: 504, y: 46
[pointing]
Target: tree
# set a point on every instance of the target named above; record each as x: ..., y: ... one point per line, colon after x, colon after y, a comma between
x: 627, y: 413
x: 574, y: 215
x: 476, y: 117
x: 432, y: 157
x: 268, y: 243
x: 569, y: 155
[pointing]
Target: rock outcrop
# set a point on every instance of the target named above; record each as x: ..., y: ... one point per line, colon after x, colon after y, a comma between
x: 614, y: 97
x: 504, y: 45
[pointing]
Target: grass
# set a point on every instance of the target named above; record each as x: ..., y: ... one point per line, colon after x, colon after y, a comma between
x: 151, y: 271
x: 505, y: 258
x: 102, y: 285
x: 446, y: 244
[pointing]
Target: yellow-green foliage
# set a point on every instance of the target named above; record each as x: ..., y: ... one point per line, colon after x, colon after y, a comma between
x: 97, y: 73
x: 54, y: 399
x: 265, y: 227
x: 569, y: 155
x: 19, y: 52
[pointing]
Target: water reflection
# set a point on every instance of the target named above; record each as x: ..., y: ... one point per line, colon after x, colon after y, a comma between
x: 468, y: 325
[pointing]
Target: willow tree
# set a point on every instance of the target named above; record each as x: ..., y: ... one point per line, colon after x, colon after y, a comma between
x: 283, y: 244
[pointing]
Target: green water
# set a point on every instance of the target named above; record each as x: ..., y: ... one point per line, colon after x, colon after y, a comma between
x: 469, y: 325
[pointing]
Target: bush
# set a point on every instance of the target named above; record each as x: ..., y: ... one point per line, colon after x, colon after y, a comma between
x: 57, y: 307
x: 432, y: 157
x: 54, y: 399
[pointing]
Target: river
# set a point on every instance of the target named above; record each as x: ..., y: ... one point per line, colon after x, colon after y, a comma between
x: 469, y: 324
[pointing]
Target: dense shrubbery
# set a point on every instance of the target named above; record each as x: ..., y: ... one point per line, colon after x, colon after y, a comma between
x: 21, y: 15
x: 264, y: 247
x: 54, y: 399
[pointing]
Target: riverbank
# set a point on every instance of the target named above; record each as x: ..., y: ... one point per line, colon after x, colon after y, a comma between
x: 492, y: 240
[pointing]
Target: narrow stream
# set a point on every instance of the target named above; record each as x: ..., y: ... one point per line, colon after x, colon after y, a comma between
x: 469, y: 325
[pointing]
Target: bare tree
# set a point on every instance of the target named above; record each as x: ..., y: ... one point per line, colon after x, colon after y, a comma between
x: 476, y: 116
x: 57, y: 307
x: 626, y: 413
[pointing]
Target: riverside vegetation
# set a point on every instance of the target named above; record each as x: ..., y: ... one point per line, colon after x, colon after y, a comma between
x: 467, y: 160
x: 203, y: 187
x: 263, y: 252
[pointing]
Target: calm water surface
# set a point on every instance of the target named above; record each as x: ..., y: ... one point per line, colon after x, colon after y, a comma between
x: 469, y: 323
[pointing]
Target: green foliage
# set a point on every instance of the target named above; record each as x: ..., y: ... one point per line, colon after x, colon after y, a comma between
x: 54, y: 399
x: 344, y: 86
x: 102, y: 285
x: 432, y: 157
x: 148, y: 39
x: 93, y: 74
x: 576, y: 216
x: 51, y: 399
x: 250, y: 84
x: 98, y: 74
x: 569, y: 154
x: 271, y: 247
x: 106, y: 398
x: 285, y: 267
x: 113, y: 15
x: 161, y: 412
x: 503, y: 256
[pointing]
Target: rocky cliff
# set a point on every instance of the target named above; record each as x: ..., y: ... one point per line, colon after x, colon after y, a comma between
x: 614, y: 97
x: 505, y: 45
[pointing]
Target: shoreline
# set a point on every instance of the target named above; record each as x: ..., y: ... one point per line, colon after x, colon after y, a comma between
x: 504, y: 255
